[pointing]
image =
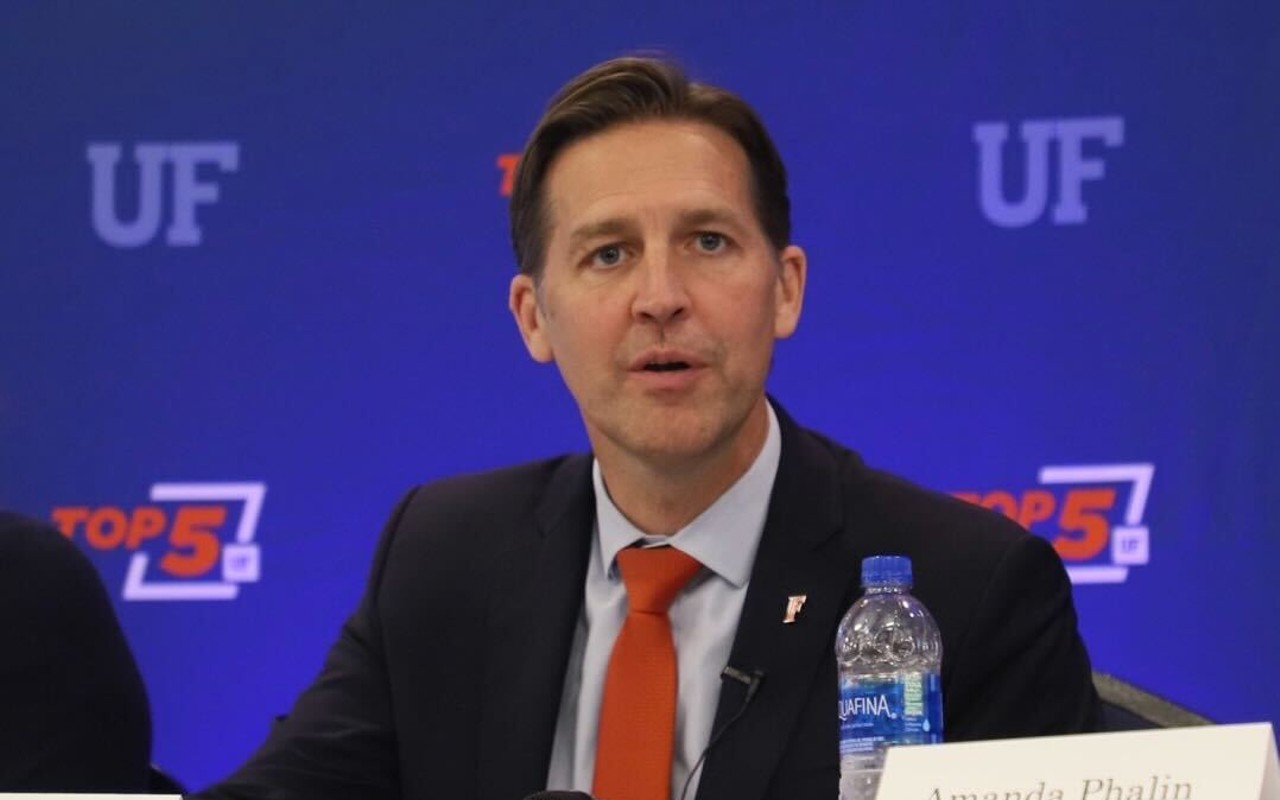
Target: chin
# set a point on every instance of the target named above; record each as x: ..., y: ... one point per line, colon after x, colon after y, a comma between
x: 673, y: 440
x: 669, y: 436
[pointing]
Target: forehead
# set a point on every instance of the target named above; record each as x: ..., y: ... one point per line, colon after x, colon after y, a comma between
x: 647, y: 168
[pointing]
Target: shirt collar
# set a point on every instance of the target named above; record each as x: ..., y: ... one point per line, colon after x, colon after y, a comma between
x: 724, y: 538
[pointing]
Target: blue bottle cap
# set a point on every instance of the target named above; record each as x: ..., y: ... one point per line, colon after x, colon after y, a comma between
x: 886, y: 571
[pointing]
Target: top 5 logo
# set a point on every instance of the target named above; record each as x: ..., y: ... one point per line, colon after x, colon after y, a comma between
x: 1093, y: 515
x: 191, y: 520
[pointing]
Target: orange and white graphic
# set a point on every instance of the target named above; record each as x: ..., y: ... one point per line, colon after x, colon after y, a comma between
x: 1092, y: 513
x: 201, y: 535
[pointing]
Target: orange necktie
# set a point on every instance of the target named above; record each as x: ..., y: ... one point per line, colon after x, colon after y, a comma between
x: 638, y: 713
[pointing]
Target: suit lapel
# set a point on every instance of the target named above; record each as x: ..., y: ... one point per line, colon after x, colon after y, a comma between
x: 797, y: 556
x: 537, y: 599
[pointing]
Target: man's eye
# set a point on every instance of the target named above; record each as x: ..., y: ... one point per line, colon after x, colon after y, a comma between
x: 711, y: 242
x: 607, y: 256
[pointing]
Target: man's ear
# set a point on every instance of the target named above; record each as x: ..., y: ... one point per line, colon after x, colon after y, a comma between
x: 523, y: 302
x: 792, y: 270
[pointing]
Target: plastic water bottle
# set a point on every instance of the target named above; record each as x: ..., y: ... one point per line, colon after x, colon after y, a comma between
x: 889, y: 654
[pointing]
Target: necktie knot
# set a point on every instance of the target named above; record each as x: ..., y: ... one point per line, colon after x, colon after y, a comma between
x: 654, y: 576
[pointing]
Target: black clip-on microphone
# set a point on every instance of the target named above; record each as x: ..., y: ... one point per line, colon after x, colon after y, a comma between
x: 751, y: 678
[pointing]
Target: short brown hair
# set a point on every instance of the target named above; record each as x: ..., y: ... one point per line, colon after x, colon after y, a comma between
x: 634, y: 89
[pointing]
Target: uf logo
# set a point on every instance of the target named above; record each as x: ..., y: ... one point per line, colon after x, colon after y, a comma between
x: 1074, y: 168
x: 188, y: 189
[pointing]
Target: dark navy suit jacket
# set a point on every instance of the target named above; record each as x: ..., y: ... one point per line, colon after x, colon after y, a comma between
x: 446, y: 681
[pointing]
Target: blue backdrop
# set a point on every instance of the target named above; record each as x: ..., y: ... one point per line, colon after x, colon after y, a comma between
x: 253, y: 264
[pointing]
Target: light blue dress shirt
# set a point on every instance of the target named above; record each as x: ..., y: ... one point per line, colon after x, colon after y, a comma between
x: 704, y: 619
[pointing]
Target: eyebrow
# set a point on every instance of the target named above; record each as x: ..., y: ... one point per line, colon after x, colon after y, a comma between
x: 709, y: 216
x: 619, y: 226
x: 613, y: 226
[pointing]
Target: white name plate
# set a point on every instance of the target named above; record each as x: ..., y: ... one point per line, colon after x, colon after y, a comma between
x: 1213, y: 762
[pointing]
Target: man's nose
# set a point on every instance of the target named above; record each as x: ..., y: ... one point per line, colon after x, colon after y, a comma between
x: 661, y: 294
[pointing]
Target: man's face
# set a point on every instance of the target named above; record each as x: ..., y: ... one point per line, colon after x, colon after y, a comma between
x: 660, y: 297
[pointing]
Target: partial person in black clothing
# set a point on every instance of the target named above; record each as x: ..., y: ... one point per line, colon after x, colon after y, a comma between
x: 74, y: 715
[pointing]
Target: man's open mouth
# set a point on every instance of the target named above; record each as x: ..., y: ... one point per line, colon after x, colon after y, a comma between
x: 666, y: 366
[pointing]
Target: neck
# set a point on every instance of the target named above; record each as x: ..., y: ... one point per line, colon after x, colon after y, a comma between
x: 661, y: 496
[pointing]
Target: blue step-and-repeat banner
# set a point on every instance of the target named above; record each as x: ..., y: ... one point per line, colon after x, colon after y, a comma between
x: 254, y: 263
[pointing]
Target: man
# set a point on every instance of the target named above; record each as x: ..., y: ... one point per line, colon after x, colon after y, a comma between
x: 73, y: 708
x: 651, y: 227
